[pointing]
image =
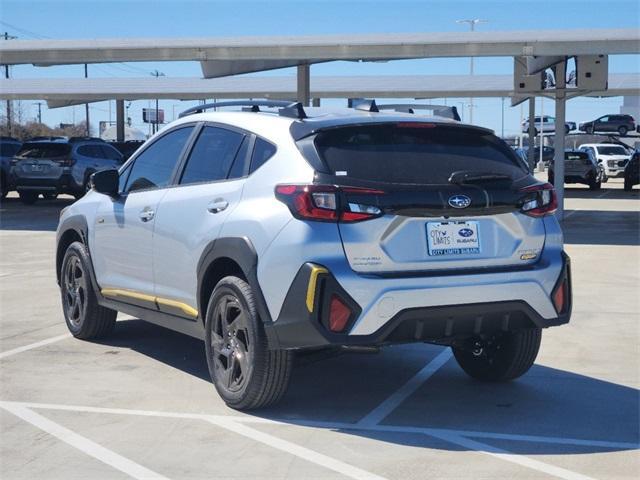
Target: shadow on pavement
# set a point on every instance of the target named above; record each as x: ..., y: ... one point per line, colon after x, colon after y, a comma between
x: 42, y: 216
x: 601, y: 227
x: 545, y: 402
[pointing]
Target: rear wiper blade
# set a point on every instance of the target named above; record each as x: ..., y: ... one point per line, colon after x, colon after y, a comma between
x: 476, y: 177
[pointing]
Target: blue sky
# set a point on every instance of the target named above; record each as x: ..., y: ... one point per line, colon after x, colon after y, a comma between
x: 170, y: 18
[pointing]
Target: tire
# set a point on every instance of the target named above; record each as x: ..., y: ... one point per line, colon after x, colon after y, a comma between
x: 246, y: 373
x: 622, y: 130
x: 628, y: 186
x: 28, y: 198
x: 49, y: 196
x: 3, y: 187
x: 504, y: 357
x: 85, y: 318
x: 593, y: 185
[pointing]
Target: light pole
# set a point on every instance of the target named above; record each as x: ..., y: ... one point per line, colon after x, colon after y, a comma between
x: 6, y: 36
x: 86, y: 105
x: 472, y: 25
x: 156, y: 74
x: 39, y: 104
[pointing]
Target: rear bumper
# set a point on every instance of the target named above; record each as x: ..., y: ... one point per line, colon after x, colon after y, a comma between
x: 62, y: 184
x: 422, y: 309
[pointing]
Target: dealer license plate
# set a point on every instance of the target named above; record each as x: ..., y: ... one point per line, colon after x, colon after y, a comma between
x: 453, y: 238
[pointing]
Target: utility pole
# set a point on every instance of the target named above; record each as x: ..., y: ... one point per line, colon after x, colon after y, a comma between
x: 156, y: 74
x: 86, y: 105
x: 502, y: 110
x: 472, y: 25
x: 6, y: 36
x: 39, y: 104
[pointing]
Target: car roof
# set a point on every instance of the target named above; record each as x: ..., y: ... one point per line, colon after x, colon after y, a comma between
x: 319, y: 118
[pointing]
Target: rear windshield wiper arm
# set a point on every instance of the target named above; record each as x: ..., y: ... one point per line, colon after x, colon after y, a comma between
x: 476, y: 177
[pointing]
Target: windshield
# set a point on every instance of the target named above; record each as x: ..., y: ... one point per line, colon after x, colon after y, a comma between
x: 44, y: 150
x: 9, y: 149
x: 612, y: 150
x: 414, y: 153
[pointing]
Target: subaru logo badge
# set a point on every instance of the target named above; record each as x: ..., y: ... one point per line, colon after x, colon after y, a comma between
x: 465, y: 232
x: 459, y: 201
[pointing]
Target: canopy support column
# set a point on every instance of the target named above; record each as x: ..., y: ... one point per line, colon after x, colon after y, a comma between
x: 532, y: 133
x: 304, y: 84
x: 120, y: 120
x: 558, y: 142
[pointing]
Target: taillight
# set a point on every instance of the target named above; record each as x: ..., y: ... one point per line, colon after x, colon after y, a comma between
x: 561, y: 295
x: 327, y: 203
x: 65, y: 161
x: 541, y: 202
x: 339, y: 314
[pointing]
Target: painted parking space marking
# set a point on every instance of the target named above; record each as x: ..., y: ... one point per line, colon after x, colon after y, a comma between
x: 294, y: 449
x: 81, y: 443
x: 392, y: 402
x: 31, y: 346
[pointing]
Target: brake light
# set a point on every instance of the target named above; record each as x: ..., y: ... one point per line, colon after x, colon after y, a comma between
x: 327, y: 203
x: 65, y: 161
x: 560, y: 295
x: 542, y: 202
x: 339, y: 314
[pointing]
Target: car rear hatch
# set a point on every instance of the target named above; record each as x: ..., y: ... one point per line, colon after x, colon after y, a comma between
x: 422, y: 197
x: 42, y: 160
x: 577, y: 164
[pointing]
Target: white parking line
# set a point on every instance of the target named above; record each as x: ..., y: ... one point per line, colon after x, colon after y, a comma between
x: 81, y: 443
x: 31, y: 346
x: 248, y: 419
x: 391, y: 403
x: 238, y: 425
x: 513, y: 458
x: 294, y: 449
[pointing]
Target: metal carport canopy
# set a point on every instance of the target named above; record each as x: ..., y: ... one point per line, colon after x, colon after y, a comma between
x: 260, y: 53
x: 70, y: 91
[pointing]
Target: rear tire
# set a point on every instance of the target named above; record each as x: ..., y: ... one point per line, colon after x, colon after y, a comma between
x: 49, y: 196
x: 85, y: 318
x: 622, y: 130
x: 246, y: 373
x: 28, y: 198
x: 595, y: 186
x: 628, y: 186
x: 504, y: 356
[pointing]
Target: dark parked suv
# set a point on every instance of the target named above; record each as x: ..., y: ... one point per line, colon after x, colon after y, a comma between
x: 621, y: 124
x: 632, y: 172
x: 54, y: 167
x: 8, y: 148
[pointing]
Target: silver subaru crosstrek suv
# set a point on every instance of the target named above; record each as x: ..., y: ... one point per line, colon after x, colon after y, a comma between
x: 267, y: 233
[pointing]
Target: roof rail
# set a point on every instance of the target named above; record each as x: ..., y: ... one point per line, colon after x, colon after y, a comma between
x: 439, y: 110
x: 289, y: 108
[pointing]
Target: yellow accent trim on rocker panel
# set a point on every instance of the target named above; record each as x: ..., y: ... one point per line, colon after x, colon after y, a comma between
x: 311, y: 288
x: 117, y: 292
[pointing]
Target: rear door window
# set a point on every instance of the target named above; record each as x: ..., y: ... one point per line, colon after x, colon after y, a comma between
x: 413, y: 153
x: 212, y: 155
x: 44, y: 150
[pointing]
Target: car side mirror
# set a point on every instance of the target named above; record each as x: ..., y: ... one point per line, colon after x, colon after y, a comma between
x: 106, y: 181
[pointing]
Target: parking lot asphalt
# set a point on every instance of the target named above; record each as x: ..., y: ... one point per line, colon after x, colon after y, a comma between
x: 140, y: 404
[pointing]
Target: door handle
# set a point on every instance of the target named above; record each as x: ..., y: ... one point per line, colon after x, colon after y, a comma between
x: 218, y: 205
x: 147, y: 214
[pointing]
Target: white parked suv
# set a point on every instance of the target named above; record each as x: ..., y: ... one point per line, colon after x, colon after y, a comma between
x: 612, y: 157
x: 269, y: 233
x: 546, y: 124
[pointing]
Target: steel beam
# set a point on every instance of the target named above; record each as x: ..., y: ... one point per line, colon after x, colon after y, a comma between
x: 558, y: 142
x: 304, y: 85
x: 120, y: 120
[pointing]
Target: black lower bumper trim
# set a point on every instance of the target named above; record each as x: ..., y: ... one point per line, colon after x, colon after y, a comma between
x: 296, y: 328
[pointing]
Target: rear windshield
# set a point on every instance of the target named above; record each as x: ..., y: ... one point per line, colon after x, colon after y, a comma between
x: 44, y: 150
x: 9, y: 149
x: 413, y: 153
x: 576, y: 156
x: 613, y: 150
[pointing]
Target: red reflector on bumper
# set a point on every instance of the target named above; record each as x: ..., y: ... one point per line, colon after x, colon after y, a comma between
x: 339, y: 314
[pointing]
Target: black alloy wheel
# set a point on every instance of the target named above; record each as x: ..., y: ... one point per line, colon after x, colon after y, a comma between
x: 231, y: 347
x: 74, y: 292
